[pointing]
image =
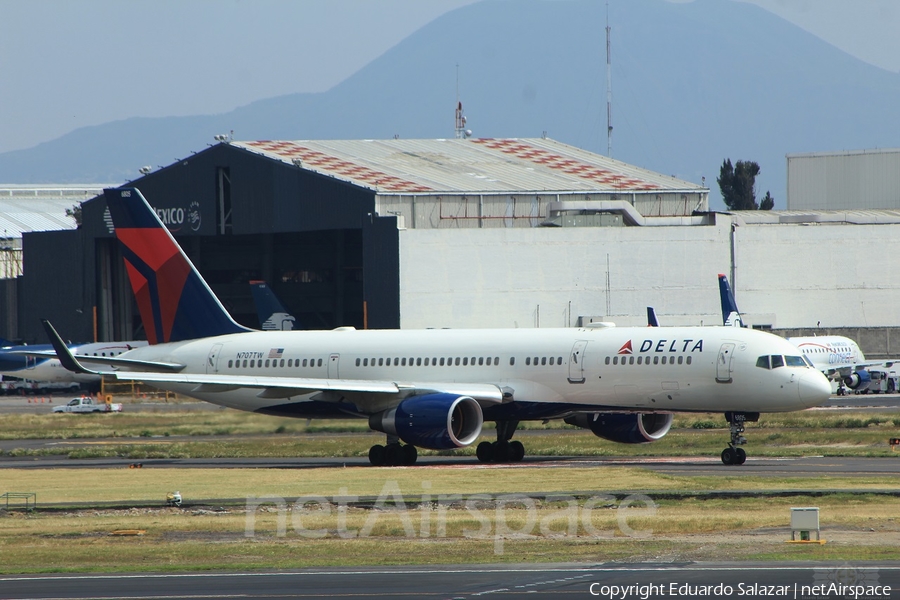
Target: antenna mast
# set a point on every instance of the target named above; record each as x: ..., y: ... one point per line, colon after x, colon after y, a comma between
x: 461, y: 131
x: 609, y: 126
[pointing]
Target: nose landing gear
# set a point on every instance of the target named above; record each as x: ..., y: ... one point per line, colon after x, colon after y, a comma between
x: 732, y: 455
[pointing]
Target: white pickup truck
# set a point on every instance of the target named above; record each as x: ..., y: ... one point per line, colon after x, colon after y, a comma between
x: 87, y: 404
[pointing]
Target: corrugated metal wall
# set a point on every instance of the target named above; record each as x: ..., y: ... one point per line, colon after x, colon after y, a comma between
x: 851, y: 180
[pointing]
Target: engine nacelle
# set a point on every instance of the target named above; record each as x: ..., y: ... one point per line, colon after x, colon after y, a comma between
x: 859, y: 380
x: 434, y: 421
x: 625, y: 428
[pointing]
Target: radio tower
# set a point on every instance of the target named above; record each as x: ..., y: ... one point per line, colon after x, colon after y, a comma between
x: 609, y: 126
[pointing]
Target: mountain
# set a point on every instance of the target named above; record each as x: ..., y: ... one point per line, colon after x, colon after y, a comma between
x: 693, y: 84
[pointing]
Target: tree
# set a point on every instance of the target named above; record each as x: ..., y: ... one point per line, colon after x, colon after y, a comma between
x: 738, y: 186
x: 75, y: 213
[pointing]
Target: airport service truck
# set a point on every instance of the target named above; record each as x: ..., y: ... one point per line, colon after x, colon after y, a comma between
x: 86, y: 404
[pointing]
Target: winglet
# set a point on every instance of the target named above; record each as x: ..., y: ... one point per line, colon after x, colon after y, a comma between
x: 65, y: 356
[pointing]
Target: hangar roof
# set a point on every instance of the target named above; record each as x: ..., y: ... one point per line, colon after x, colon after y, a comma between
x: 41, y: 208
x: 399, y: 166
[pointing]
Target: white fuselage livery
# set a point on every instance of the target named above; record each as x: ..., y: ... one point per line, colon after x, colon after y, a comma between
x: 830, y: 353
x: 636, y: 369
x: 49, y: 369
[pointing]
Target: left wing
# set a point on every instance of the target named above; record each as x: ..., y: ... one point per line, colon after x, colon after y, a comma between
x: 284, y: 387
x: 270, y: 387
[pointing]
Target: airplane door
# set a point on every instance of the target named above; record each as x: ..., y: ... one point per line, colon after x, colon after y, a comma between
x: 30, y: 362
x: 212, y: 361
x: 334, y: 362
x: 576, y: 362
x: 723, y: 363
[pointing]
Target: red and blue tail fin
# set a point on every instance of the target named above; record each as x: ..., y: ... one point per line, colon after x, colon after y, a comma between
x: 174, y: 301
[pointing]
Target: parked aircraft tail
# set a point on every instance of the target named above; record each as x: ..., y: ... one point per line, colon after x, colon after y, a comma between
x: 272, y: 314
x: 652, y: 320
x: 730, y: 315
x: 174, y: 301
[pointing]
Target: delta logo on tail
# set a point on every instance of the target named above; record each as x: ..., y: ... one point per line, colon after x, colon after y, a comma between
x: 174, y: 302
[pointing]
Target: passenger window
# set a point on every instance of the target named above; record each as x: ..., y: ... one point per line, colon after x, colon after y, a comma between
x: 252, y: 363
x: 640, y: 360
x: 442, y: 361
x: 419, y: 362
x: 663, y: 360
x: 357, y: 362
x: 615, y: 360
x: 305, y: 361
x: 655, y: 360
x: 229, y: 364
x: 457, y: 361
x: 512, y: 361
x: 245, y: 363
x: 688, y: 361
x: 496, y: 360
x: 544, y: 361
x: 680, y: 360
x: 465, y: 361
x: 630, y: 360
x: 267, y: 362
x: 403, y: 362
x: 527, y: 361
x: 380, y: 362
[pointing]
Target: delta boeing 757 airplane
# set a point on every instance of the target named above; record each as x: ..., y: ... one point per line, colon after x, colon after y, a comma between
x: 435, y: 388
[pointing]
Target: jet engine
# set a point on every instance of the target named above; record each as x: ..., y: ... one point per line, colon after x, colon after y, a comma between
x: 859, y: 380
x: 625, y: 428
x: 435, y: 421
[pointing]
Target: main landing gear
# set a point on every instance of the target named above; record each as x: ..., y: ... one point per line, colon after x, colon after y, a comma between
x: 503, y: 450
x: 732, y: 455
x: 393, y: 453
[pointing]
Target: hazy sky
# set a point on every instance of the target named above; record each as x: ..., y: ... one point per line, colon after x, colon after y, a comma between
x: 65, y: 64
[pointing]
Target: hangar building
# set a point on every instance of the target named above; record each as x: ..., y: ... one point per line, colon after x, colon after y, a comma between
x: 465, y: 233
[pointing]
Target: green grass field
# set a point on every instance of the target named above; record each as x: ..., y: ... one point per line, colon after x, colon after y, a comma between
x: 458, y: 514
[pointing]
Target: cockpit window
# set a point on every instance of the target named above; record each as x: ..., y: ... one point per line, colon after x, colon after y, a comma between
x: 795, y: 361
x: 762, y: 362
x: 777, y: 361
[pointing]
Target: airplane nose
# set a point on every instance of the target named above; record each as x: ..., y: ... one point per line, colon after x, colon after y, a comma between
x: 814, y: 389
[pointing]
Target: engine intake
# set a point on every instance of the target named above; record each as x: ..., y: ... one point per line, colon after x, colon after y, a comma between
x: 625, y: 428
x: 434, y: 421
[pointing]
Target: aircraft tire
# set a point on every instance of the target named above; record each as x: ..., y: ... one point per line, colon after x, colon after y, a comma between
x: 393, y: 455
x: 485, y: 452
x: 740, y: 456
x: 516, y: 451
x: 501, y: 451
x: 728, y: 456
x: 409, y: 455
x: 376, y: 455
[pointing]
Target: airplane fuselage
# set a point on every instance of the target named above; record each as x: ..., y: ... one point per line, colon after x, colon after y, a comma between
x: 542, y: 373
